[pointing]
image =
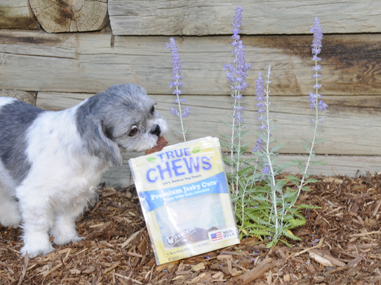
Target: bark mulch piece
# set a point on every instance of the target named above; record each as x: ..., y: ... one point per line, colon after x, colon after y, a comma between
x: 341, y: 244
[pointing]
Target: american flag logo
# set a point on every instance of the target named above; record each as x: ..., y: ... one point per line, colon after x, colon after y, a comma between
x: 216, y: 236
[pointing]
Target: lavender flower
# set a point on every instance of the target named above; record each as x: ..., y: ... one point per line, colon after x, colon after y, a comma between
x: 238, y: 113
x: 314, y: 98
x: 258, y: 145
x: 322, y: 106
x: 260, y: 93
x: 176, y: 84
x: 186, y: 112
x: 318, y: 36
x: 316, y: 49
x: 237, y: 23
x: 236, y: 72
x: 176, y: 66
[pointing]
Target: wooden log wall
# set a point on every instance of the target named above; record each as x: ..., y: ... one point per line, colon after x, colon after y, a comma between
x: 43, y: 53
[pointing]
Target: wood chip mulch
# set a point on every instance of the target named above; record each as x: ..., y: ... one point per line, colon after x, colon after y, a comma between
x: 341, y: 244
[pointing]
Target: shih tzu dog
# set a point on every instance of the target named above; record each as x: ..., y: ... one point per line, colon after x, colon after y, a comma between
x: 51, y: 162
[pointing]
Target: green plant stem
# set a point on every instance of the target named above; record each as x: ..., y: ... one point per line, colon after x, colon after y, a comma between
x: 232, y: 139
x: 180, y: 114
x: 273, y: 183
x: 238, y: 155
x: 313, y: 139
x: 236, y: 93
x: 243, y: 207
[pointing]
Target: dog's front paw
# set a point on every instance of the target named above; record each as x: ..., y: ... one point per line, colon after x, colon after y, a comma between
x: 35, y: 248
x: 63, y: 239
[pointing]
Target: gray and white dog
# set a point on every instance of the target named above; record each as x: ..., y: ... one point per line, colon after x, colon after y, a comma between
x: 51, y: 162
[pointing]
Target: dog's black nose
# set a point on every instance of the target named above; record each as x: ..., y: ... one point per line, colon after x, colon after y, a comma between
x: 156, y: 130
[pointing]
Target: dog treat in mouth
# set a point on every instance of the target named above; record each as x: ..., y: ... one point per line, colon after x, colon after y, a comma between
x: 161, y: 143
x: 185, y: 199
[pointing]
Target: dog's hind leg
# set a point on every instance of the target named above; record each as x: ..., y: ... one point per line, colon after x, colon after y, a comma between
x: 9, y: 210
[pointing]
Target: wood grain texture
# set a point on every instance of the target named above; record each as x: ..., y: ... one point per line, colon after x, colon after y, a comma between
x: 70, y: 15
x: 16, y: 14
x: 27, y: 97
x: 342, y: 165
x: 91, y: 62
x: 200, y: 17
x: 352, y: 125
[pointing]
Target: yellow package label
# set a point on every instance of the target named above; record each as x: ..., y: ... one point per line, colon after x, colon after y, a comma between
x: 185, y: 199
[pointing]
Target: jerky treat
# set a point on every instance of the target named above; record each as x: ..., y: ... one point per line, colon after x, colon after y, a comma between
x: 161, y: 143
x: 185, y: 199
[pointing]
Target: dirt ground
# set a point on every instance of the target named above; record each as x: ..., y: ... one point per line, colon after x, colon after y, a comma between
x: 341, y: 244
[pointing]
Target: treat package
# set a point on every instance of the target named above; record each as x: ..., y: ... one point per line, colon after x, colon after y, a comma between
x: 185, y: 199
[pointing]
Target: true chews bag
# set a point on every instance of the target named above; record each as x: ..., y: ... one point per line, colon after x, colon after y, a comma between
x: 185, y: 199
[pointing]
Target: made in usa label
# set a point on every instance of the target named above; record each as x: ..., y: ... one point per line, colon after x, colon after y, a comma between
x: 222, y: 234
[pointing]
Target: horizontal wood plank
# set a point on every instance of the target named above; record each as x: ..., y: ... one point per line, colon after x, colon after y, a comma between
x: 341, y: 165
x: 60, y: 101
x: 91, y: 62
x: 346, y: 128
x: 199, y: 17
x: 16, y: 14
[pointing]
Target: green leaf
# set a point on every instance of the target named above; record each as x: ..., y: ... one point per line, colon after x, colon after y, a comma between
x: 151, y: 159
x: 306, y: 206
x: 285, y: 242
x: 291, y: 236
x: 277, y: 147
x: 312, y: 180
x: 318, y: 163
x: 306, y: 146
x: 227, y: 124
x: 280, y: 183
x: 196, y: 149
x: 225, y: 144
x: 293, y: 179
x: 273, y: 127
x: 320, y: 141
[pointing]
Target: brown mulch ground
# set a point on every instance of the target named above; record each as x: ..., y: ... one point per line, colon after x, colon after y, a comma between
x: 341, y: 244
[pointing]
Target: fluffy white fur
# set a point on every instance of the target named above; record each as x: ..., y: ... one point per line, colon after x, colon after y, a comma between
x: 64, y: 162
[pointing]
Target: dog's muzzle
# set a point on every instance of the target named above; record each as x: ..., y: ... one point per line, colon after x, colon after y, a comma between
x: 156, y: 130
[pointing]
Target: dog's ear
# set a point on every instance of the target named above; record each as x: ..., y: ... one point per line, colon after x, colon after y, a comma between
x: 94, y: 135
x: 103, y: 147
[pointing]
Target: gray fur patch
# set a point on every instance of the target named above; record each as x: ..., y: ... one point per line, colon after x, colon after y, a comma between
x: 15, y: 119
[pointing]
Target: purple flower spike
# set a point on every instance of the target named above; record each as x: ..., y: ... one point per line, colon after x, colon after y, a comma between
x: 237, y: 23
x: 260, y: 93
x: 318, y: 36
x: 316, y: 49
x: 258, y: 145
x: 176, y: 63
x: 177, y: 83
x: 236, y: 72
x: 186, y: 112
x: 322, y: 106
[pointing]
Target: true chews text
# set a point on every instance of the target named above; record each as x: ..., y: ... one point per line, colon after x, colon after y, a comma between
x: 177, y: 163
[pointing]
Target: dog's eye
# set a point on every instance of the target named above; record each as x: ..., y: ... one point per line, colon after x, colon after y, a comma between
x: 133, y: 131
x: 152, y: 110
